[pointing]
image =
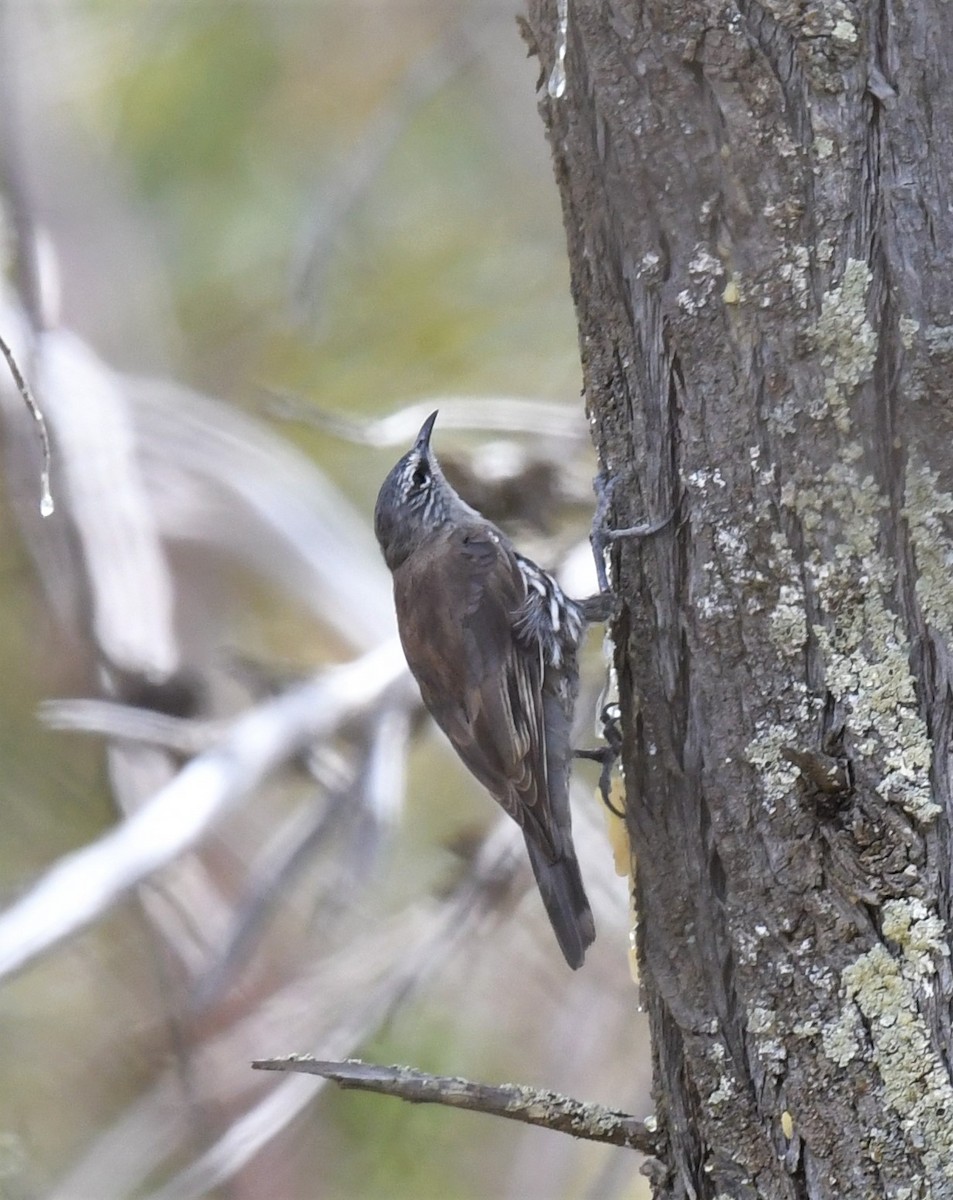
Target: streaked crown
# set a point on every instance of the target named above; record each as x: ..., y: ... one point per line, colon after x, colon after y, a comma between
x: 414, y: 501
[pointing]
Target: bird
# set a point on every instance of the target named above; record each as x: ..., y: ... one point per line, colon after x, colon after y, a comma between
x: 492, y: 642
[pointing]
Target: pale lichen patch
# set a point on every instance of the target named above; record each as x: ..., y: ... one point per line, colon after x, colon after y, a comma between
x: 844, y: 31
x: 908, y: 331
x: 725, y: 1090
x: 919, y: 932
x: 788, y: 617
x: 763, y: 1027
x: 841, y: 1037
x: 789, y: 625
x: 788, y: 631
x: 866, y: 655
x: 704, y: 264
x: 765, y: 752
x: 925, y: 510
x: 705, y: 270
x: 846, y: 340
x: 939, y: 340
x: 916, y: 1085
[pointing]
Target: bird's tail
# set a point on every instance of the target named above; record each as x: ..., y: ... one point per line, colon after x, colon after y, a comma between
x: 560, y: 885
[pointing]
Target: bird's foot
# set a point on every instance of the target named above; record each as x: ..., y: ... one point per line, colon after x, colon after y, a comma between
x: 602, y: 536
x: 608, y: 755
x: 598, y: 608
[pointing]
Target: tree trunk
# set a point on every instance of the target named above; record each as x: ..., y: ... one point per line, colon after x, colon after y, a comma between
x: 757, y: 200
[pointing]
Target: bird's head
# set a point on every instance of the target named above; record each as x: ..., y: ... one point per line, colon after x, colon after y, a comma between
x: 415, y: 500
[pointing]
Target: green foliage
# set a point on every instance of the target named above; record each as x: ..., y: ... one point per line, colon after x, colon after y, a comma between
x: 187, y: 109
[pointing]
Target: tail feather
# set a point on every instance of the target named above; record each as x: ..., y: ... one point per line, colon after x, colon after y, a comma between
x: 561, y: 888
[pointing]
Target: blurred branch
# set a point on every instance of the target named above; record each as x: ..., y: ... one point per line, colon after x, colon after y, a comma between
x: 46, y: 495
x: 181, y: 735
x: 366, y: 799
x: 218, y: 478
x: 497, y: 414
x: 126, y: 572
x: 82, y: 886
x: 532, y: 1106
x: 405, y: 961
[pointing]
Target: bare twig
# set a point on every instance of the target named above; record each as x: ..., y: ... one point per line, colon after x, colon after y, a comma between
x: 46, y: 494
x: 532, y: 1106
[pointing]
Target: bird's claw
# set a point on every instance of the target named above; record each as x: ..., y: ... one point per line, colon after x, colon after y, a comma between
x: 602, y: 536
x: 608, y: 755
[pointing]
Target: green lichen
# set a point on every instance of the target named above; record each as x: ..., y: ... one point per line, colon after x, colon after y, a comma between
x: 765, y: 751
x: 939, y: 340
x: 867, y: 668
x: 862, y: 642
x: 841, y: 1037
x: 915, y: 1082
x: 866, y: 654
x: 763, y: 1027
x: 908, y: 331
x: 846, y: 341
x: 925, y: 510
x: 919, y: 932
x: 788, y: 618
x: 724, y: 1092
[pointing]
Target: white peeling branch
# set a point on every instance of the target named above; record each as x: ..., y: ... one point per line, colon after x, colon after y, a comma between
x: 492, y: 414
x: 85, y: 884
x: 123, y: 722
x: 131, y: 592
x: 218, y: 478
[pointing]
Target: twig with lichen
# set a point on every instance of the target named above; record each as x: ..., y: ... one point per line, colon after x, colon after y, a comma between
x: 532, y: 1106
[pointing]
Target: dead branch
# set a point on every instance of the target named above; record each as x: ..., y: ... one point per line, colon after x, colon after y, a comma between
x: 532, y: 1106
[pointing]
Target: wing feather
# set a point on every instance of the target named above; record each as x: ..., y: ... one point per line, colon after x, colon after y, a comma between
x: 457, y: 602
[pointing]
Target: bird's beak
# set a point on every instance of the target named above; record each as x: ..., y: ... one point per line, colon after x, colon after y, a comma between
x: 423, y: 438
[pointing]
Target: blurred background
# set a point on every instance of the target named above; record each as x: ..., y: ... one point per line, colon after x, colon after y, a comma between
x: 248, y: 245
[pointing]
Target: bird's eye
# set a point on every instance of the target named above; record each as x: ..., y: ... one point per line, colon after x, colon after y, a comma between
x: 419, y: 477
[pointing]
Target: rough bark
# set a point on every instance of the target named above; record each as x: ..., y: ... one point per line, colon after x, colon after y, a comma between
x: 757, y: 202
